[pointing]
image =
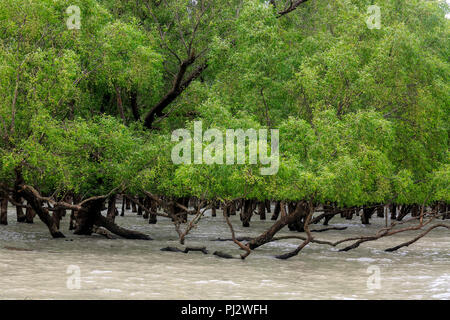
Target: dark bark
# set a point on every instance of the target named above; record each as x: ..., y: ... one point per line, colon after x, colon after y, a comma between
x: 415, y: 210
x: 268, y: 204
x: 147, y: 203
x: 404, y: 211
x: 101, y: 221
x: 122, y: 212
x: 247, y: 212
x: 42, y: 212
x: 302, y: 209
x: 178, y: 86
x: 380, y: 211
x: 73, y: 214
x: 367, y: 214
x: 393, y: 208
x: 262, y: 210
x: 86, y: 218
x: 57, y: 216
x: 133, y: 207
x: 139, y: 209
x: 3, y: 210
x: 29, y: 215
x: 232, y: 210
x: 296, y: 224
x: 276, y: 211
x: 213, y: 209
x: 19, y: 211
x: 134, y: 105
x: 111, y: 212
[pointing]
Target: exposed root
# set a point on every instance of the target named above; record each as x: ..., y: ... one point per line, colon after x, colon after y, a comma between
x: 186, y: 250
x: 405, y: 244
x: 331, y: 228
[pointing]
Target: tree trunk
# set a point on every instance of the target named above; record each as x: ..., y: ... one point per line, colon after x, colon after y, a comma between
x: 367, y: 214
x: 73, y: 214
x: 302, y: 209
x: 4, y: 211
x: 276, y: 211
x: 415, y: 210
x: 247, y: 212
x: 57, y: 216
x: 147, y: 203
x: 226, y: 210
x: 380, y: 211
x: 213, y: 209
x: 122, y: 212
x: 111, y: 213
x: 296, y: 224
x: 154, y: 207
x: 133, y: 206
x: 127, y: 204
x: 19, y: 210
x: 134, y: 106
x: 405, y: 209
x: 29, y: 215
x: 101, y: 221
x: 268, y: 204
x: 393, y: 208
x: 262, y: 210
x: 87, y: 217
x: 139, y: 209
x: 232, y: 210
x: 42, y: 212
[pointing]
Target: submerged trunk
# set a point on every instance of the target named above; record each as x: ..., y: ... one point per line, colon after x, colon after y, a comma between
x: 111, y: 212
x: 367, y: 214
x: 380, y: 211
x: 101, y: 221
x: 29, y: 215
x: 73, y: 214
x: 122, y: 212
x: 139, y: 209
x: 154, y: 208
x: 57, y: 216
x: 405, y: 209
x: 247, y: 212
x: 302, y: 209
x: 268, y: 203
x: 298, y: 223
x: 86, y: 218
x: 276, y: 211
x: 19, y: 211
x: 213, y: 209
x: 232, y: 210
x: 262, y: 210
x: 127, y: 204
x: 42, y: 212
x: 393, y: 209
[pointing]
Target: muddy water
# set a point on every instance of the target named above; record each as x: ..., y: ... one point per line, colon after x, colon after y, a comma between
x: 129, y: 269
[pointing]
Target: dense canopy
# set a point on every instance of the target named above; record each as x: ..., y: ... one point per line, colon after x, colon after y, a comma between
x: 362, y: 112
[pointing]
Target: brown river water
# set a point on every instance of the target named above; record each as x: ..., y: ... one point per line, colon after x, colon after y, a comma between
x: 45, y: 268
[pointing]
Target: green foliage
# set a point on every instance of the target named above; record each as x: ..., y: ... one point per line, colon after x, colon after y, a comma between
x: 362, y: 113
